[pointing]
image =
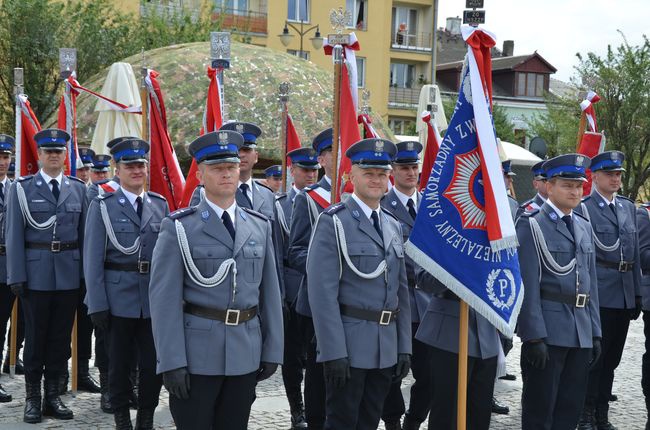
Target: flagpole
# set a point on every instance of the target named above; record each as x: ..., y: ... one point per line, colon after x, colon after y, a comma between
x: 463, y: 334
x: 144, y: 101
x: 337, y: 53
x: 583, y: 121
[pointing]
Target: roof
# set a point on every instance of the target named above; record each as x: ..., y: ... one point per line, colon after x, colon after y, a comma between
x: 500, y: 63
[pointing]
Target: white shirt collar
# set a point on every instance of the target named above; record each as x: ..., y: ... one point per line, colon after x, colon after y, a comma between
x: 219, y: 211
x: 365, y: 208
x: 132, y: 197
x: 4, y: 182
x: 404, y: 198
x: 48, y: 178
x: 559, y: 213
x: 607, y: 202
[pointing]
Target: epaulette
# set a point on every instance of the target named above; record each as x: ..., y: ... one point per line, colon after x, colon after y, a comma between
x: 103, y: 181
x: 106, y: 195
x: 254, y: 213
x: 387, y: 212
x: 645, y: 205
x: 581, y: 216
x: 280, y: 196
x: 625, y: 198
x: 585, y: 198
x: 76, y: 179
x: 24, y: 178
x: 529, y: 214
x: 180, y: 213
x: 154, y: 194
x: 334, y: 208
x: 264, y: 186
x: 311, y: 187
x: 526, y: 203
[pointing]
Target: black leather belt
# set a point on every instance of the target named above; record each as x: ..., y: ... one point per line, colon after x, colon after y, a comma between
x: 384, y: 317
x: 3, y: 249
x: 228, y: 316
x: 447, y: 295
x: 577, y: 300
x: 140, y: 267
x: 54, y: 246
x: 621, y: 266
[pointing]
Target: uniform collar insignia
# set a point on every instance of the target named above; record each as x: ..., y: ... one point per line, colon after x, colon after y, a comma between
x: 393, y: 203
x: 601, y: 204
x: 355, y: 214
x: 553, y: 216
x: 205, y: 215
x: 122, y: 200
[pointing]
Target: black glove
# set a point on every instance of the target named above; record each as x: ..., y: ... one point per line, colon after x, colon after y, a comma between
x: 177, y: 382
x: 402, y: 367
x: 101, y: 319
x: 18, y: 289
x: 265, y: 371
x: 336, y: 372
x: 536, y: 353
x: 638, y: 305
x: 596, y: 349
x: 506, y: 344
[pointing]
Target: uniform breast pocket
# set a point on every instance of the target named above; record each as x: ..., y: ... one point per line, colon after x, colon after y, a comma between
x: 562, y: 252
x: 398, y: 248
x: 365, y: 256
x: 72, y: 213
x: 253, y: 262
x: 208, y: 258
x: 606, y: 233
x: 125, y: 231
x: 41, y: 211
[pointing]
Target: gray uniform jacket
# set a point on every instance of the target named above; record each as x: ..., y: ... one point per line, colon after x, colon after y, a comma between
x: 367, y: 344
x: 206, y: 346
x: 559, y: 324
x: 301, y: 229
x: 93, y: 189
x: 3, y: 231
x: 125, y: 293
x: 643, y: 224
x: 440, y: 324
x: 530, y: 205
x: 292, y: 277
x: 616, y: 290
x: 418, y: 297
x: 42, y: 269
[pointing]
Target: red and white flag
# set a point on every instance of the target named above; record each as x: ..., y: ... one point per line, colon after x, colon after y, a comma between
x: 431, y: 148
x: 26, y: 149
x: 592, y: 142
x: 587, y: 106
x: 67, y: 120
x: 165, y: 175
x: 293, y: 141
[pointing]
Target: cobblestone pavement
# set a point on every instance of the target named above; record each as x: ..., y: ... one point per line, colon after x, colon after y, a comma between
x: 271, y: 411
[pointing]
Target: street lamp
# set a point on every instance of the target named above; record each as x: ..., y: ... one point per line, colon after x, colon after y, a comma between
x: 286, y: 37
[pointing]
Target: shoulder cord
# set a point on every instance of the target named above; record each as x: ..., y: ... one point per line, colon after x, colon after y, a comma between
x: 544, y: 254
x: 313, y: 211
x: 193, y: 271
x: 100, y: 190
x: 110, y: 233
x: 27, y: 216
x: 343, y: 248
x: 281, y: 218
x: 598, y: 243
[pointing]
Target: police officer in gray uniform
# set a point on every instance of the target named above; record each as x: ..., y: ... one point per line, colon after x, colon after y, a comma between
x: 403, y: 201
x: 559, y: 322
x: 307, y: 205
x: 215, y: 300
x: 360, y: 304
x: 100, y: 168
x: 643, y: 224
x: 613, y: 220
x: 304, y: 171
x: 45, y: 228
x: 107, y: 185
x: 122, y: 229
x: 273, y: 175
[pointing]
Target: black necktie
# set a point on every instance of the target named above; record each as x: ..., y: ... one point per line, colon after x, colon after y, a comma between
x: 375, y: 223
x: 55, y: 189
x: 227, y: 222
x: 411, y: 207
x: 569, y: 223
x: 138, y: 206
x: 612, y: 206
x: 244, y: 190
x: 2, y: 191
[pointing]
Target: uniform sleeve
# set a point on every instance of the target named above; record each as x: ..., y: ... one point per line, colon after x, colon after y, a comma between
x: 94, y: 251
x: 300, y: 233
x: 531, y: 325
x: 166, y: 300
x: 636, y: 272
x: 427, y: 283
x: 92, y: 192
x: 594, y: 306
x: 271, y: 308
x: 643, y: 228
x: 323, y: 268
x: 404, y: 338
x: 278, y: 249
x: 15, y: 240
x: 82, y: 226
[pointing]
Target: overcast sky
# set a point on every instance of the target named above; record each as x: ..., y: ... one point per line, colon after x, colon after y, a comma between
x: 557, y: 29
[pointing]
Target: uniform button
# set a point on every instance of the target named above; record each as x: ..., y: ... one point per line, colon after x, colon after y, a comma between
x: 209, y: 254
x: 142, y: 231
x: 255, y: 253
x: 187, y: 324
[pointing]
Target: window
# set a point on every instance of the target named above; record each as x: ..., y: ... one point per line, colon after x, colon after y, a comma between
x: 402, y: 126
x: 236, y: 7
x: 304, y: 54
x: 361, y: 72
x: 530, y: 84
x: 298, y: 10
x: 402, y: 75
x: 359, y: 11
x: 404, y: 26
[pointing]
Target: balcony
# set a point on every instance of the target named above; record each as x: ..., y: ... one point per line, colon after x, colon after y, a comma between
x: 241, y: 21
x: 411, y: 42
x: 404, y: 98
x: 167, y: 11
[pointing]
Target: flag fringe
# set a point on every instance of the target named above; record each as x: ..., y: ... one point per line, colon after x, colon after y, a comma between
x: 464, y: 293
x: 502, y: 244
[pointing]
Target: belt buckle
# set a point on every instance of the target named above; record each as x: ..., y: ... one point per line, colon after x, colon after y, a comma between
x: 143, y: 266
x: 622, y: 266
x: 385, y: 317
x: 232, y: 316
x: 55, y: 246
x: 581, y: 300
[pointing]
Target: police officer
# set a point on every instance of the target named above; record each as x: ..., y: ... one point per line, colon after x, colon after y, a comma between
x: 539, y: 184
x: 107, y: 185
x: 613, y: 220
x: 307, y: 205
x: 215, y: 299
x: 100, y: 168
x: 643, y: 224
x: 360, y: 304
x: 559, y: 322
x: 45, y: 227
x: 403, y: 201
x: 508, y: 176
x: 273, y: 175
x: 86, y: 156
x: 11, y: 173
x: 122, y: 229
x: 304, y: 171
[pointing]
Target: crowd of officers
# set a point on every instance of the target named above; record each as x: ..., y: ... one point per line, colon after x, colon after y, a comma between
x: 210, y: 299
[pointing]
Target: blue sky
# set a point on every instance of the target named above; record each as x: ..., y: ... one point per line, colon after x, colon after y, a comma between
x: 558, y: 29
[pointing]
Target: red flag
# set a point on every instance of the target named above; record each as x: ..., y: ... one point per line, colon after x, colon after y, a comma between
x: 27, y: 150
x: 431, y: 149
x: 212, y: 120
x: 67, y: 120
x: 368, y: 129
x: 591, y: 145
x: 165, y: 175
x: 293, y: 141
x: 349, y: 132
